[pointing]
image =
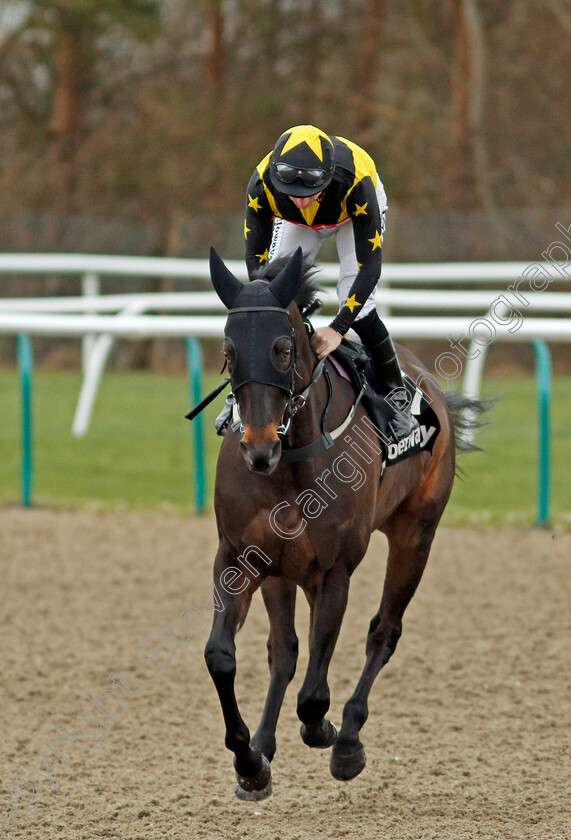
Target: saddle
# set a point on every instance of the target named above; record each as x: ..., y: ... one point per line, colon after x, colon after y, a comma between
x: 352, y: 361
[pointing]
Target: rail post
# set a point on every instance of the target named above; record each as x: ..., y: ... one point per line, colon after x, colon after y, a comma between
x: 90, y: 285
x: 194, y: 360
x: 543, y: 390
x: 25, y: 370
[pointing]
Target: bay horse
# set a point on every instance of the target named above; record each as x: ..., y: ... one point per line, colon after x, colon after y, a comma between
x: 292, y: 510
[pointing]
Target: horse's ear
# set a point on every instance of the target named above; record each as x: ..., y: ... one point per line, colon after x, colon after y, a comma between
x: 286, y: 284
x: 225, y: 284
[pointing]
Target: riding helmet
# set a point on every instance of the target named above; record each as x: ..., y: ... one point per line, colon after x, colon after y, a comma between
x: 302, y: 162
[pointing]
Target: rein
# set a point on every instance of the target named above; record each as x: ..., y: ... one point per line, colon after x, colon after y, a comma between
x: 295, y: 402
x: 326, y: 439
x: 292, y: 454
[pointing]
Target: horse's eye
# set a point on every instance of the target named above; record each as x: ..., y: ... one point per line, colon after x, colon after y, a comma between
x: 281, y: 353
x: 228, y: 351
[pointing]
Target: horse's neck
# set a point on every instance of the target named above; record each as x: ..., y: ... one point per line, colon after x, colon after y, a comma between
x: 306, y: 425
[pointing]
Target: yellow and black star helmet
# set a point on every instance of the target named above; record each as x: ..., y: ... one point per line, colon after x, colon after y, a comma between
x: 302, y: 162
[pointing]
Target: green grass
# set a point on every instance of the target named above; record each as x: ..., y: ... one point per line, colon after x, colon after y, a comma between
x: 137, y: 453
x: 500, y: 484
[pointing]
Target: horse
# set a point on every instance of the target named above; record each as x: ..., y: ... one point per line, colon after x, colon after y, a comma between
x: 293, y: 510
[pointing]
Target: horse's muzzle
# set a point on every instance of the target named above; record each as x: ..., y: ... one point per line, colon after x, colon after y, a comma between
x: 262, y: 458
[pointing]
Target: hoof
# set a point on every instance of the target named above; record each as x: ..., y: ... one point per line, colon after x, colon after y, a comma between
x: 320, y: 737
x: 254, y: 795
x: 258, y: 787
x: 346, y: 767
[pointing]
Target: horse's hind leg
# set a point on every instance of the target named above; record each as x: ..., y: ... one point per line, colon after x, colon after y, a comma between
x: 279, y: 598
x: 410, y: 538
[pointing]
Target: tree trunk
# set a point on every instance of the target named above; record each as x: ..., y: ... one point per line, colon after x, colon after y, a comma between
x: 311, y: 95
x: 463, y: 188
x: 367, y: 68
x: 70, y: 84
x: 217, y: 56
x: 471, y: 171
x: 212, y: 179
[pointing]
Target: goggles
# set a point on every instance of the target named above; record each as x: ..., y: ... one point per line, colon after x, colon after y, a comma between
x: 288, y: 174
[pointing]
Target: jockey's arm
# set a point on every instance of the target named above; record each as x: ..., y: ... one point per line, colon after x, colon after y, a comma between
x: 367, y: 228
x: 258, y: 225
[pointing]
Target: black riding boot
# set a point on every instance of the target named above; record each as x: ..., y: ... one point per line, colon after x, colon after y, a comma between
x: 386, y: 369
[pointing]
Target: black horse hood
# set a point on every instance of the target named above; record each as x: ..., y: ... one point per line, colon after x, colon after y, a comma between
x: 256, y: 294
x: 257, y: 318
x: 282, y: 288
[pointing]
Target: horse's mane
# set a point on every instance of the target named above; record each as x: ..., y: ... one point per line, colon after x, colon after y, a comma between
x: 308, y: 287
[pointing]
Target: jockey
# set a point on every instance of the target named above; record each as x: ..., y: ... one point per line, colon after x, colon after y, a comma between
x: 309, y: 187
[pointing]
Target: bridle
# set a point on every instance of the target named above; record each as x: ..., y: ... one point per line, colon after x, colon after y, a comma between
x: 295, y: 402
x: 282, y: 379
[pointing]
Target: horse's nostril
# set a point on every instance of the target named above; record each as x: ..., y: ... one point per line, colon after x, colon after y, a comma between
x: 261, y: 458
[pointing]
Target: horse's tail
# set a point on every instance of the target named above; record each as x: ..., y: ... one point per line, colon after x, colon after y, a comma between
x: 468, y: 415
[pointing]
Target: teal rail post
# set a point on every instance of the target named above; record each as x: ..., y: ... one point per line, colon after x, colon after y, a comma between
x: 543, y: 387
x: 25, y: 369
x: 194, y: 357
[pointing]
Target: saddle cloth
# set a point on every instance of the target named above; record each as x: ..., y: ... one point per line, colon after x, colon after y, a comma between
x: 352, y: 361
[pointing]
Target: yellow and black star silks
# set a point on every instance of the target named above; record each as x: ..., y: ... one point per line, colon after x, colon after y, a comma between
x: 377, y: 240
x: 351, y: 195
x: 254, y: 204
x: 351, y: 303
x: 312, y: 137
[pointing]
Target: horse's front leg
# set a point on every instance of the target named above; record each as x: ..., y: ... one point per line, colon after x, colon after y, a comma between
x: 252, y: 768
x: 328, y: 608
x: 279, y: 598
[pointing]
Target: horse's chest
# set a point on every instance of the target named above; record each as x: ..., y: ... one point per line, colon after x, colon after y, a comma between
x: 292, y: 538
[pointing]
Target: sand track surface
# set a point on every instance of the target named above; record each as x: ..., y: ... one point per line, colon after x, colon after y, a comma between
x: 469, y: 722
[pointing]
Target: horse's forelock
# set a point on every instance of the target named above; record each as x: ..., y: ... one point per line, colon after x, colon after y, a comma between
x: 308, y: 287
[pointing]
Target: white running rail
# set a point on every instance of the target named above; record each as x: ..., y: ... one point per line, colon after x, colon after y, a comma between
x: 100, y: 319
